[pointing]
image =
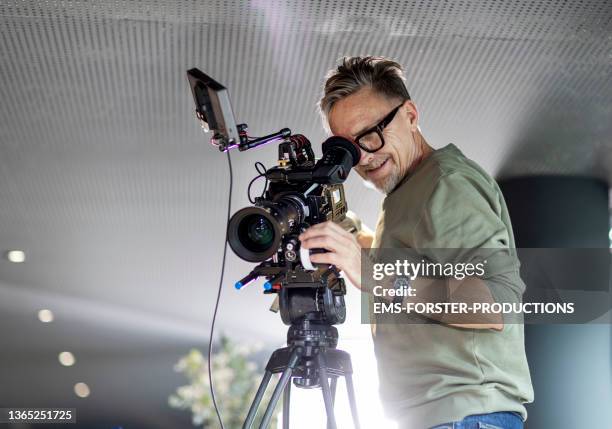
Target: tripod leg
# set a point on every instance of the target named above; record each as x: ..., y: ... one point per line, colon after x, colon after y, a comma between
x: 257, y: 400
x: 258, y: 397
x: 286, y: 405
x: 327, y: 397
x: 352, y: 402
x: 333, y: 383
x: 282, y: 383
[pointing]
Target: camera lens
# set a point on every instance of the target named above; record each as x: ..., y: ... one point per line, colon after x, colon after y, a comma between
x: 257, y: 233
x: 254, y: 234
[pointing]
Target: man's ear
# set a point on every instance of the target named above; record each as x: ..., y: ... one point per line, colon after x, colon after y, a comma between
x: 413, y: 114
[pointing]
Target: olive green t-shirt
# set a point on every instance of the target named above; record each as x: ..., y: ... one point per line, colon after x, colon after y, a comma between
x: 432, y: 373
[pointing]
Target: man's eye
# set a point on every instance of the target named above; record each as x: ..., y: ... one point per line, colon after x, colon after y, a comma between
x: 371, y: 140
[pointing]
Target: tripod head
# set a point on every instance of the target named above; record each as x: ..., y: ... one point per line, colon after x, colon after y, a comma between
x: 313, y: 338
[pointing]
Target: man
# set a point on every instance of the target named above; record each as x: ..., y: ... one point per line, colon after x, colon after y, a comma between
x: 446, y: 373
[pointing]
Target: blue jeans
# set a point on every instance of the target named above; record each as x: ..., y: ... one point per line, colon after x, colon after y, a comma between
x: 505, y: 420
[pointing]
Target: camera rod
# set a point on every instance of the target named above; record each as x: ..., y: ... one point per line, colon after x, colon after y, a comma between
x: 246, y: 143
x: 282, y: 134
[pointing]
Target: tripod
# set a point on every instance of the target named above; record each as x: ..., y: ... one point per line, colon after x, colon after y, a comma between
x: 311, y: 360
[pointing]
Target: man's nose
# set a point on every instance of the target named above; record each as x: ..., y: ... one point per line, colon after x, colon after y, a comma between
x: 365, y: 157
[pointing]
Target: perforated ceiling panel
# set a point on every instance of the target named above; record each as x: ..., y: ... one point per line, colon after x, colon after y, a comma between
x: 111, y: 188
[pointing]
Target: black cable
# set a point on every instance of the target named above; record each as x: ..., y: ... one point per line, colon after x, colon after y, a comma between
x: 261, y: 169
x: 212, y: 327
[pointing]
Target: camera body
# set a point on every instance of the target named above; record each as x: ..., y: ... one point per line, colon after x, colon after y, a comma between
x: 301, y: 192
x: 297, y: 197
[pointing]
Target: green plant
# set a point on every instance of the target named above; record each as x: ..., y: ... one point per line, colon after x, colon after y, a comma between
x: 236, y: 378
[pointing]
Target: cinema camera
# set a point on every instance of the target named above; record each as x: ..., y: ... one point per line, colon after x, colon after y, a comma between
x: 300, y: 191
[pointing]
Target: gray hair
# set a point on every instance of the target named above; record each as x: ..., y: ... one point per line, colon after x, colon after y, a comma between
x: 382, y: 74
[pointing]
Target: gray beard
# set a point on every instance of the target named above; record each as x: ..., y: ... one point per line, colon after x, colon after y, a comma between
x: 388, y: 183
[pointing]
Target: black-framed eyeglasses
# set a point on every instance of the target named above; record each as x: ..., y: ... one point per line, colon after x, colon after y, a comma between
x: 372, y: 140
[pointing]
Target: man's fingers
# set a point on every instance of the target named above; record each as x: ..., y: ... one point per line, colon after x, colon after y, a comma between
x: 325, y: 258
x: 327, y: 225
x: 323, y: 229
x: 322, y: 242
x: 365, y: 239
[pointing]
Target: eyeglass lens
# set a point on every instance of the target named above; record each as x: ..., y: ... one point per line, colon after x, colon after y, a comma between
x: 371, y: 141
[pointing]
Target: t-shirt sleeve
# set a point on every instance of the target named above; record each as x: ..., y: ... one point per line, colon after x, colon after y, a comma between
x: 461, y: 222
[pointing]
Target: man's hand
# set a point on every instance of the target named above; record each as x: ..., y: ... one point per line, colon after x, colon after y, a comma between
x: 365, y: 237
x: 344, y: 251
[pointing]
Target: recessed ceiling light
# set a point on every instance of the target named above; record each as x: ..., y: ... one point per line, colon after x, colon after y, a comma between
x: 81, y: 390
x: 45, y: 316
x: 16, y: 256
x: 66, y: 358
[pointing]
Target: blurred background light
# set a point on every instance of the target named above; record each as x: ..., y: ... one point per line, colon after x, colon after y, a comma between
x: 81, y: 390
x: 16, y: 256
x: 66, y: 358
x: 45, y: 316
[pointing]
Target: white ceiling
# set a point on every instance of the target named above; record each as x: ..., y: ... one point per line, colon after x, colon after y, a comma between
x: 108, y: 184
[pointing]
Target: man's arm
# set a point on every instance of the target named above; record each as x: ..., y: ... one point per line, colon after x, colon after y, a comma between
x: 345, y: 252
x: 468, y: 291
